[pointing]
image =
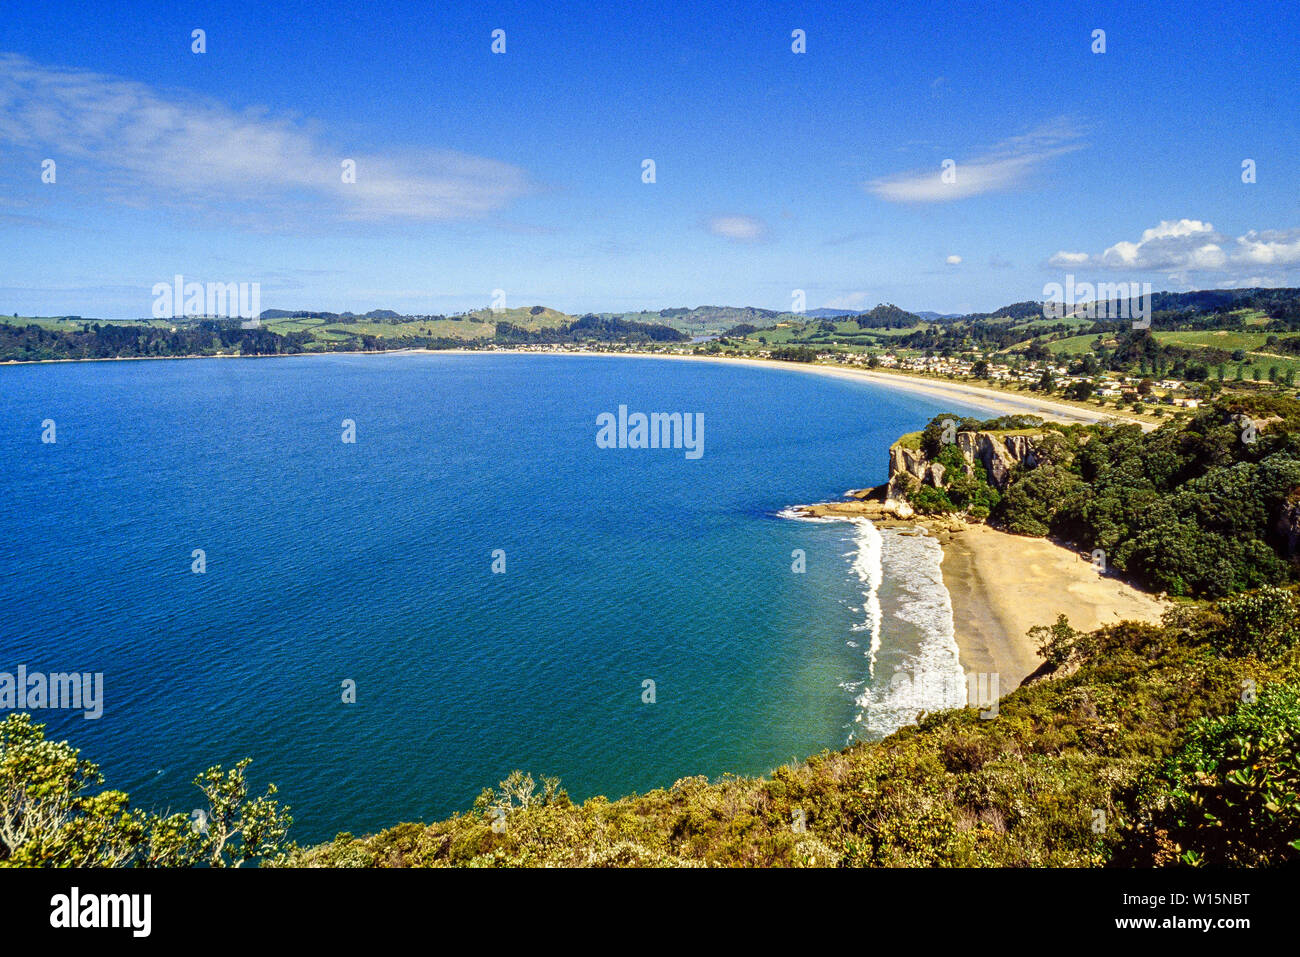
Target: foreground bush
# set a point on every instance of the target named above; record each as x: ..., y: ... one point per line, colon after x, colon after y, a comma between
x: 50, y: 815
x: 1230, y: 796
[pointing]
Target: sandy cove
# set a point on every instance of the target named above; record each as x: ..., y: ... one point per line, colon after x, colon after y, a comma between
x: 990, y: 400
x: 1001, y: 585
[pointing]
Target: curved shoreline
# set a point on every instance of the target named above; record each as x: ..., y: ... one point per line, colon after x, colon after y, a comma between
x: 988, y: 399
x: 993, y: 401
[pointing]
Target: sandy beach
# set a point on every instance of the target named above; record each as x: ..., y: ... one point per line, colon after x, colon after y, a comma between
x: 1001, y: 585
x: 998, y: 403
x: 995, y: 402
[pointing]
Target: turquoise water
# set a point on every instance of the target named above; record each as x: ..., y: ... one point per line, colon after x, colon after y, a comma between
x: 372, y: 562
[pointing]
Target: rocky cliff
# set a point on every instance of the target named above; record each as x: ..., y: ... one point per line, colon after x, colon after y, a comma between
x: 999, y: 454
x: 1287, y: 526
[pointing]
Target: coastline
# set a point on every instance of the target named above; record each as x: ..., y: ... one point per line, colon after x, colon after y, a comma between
x: 990, y: 400
x: 1001, y: 585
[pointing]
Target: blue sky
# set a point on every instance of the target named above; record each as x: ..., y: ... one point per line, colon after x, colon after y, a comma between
x: 522, y: 171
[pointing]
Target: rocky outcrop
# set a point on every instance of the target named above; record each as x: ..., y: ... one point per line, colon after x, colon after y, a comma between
x: 999, y: 454
x: 911, y: 461
x: 1287, y: 526
x: 880, y: 512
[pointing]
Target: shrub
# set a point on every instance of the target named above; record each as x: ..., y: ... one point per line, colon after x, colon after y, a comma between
x: 930, y: 501
x: 1265, y: 623
x: 1058, y: 643
x: 1234, y: 787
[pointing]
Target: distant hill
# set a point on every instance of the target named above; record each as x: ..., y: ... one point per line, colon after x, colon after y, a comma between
x: 374, y: 315
x: 535, y: 317
x: 704, y: 320
x: 829, y: 313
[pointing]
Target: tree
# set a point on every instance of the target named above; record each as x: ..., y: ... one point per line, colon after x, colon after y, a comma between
x: 1057, y: 643
x: 1233, y: 789
x: 980, y: 369
x: 1266, y: 623
x: 239, y: 830
x: 51, y: 816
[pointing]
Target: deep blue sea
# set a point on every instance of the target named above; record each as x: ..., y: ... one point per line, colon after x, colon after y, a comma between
x: 372, y: 562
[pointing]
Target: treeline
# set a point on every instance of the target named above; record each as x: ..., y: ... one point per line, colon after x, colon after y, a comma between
x: 589, y: 328
x: 121, y: 340
x: 210, y: 337
x: 374, y: 315
x: 795, y: 354
x: 887, y: 316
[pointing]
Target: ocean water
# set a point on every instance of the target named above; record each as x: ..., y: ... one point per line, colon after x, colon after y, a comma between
x: 372, y: 562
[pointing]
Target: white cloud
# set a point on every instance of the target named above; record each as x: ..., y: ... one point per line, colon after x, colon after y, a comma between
x: 1003, y: 167
x: 740, y: 229
x: 953, y: 260
x: 1253, y: 282
x: 149, y: 148
x: 1191, y: 245
x: 1269, y: 248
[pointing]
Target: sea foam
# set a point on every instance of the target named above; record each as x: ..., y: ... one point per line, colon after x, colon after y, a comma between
x: 912, y: 626
x: 927, y: 675
x: 868, y: 565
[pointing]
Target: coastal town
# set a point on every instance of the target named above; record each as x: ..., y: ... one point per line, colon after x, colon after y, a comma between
x: 1134, y: 392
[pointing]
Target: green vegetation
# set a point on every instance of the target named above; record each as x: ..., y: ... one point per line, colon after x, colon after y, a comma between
x: 1157, y: 727
x: 297, y: 333
x: 1190, y: 509
x: 51, y: 814
x: 1230, y: 796
x: 1196, y: 508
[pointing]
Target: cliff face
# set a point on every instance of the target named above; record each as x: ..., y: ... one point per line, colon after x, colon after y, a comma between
x: 1287, y: 526
x: 999, y: 454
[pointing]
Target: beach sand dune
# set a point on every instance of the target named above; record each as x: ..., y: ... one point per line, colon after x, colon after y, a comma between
x: 1001, y: 585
